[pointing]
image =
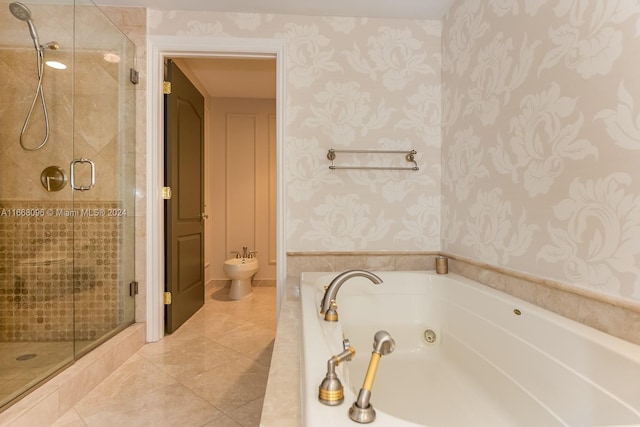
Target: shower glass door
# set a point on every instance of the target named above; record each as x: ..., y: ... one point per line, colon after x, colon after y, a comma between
x: 66, y: 255
x: 103, y: 171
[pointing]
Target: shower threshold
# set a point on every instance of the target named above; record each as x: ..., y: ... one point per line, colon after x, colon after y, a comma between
x: 48, y: 402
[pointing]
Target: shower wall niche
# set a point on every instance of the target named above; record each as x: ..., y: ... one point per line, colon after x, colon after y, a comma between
x: 66, y: 255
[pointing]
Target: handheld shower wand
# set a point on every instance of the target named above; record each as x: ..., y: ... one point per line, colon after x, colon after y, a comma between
x: 361, y: 411
x: 23, y: 13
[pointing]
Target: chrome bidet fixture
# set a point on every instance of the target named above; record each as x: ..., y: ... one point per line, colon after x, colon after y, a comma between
x: 23, y: 13
x: 328, y: 306
x: 361, y: 411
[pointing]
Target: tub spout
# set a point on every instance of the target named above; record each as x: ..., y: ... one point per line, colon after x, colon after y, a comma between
x: 328, y: 307
x: 362, y: 411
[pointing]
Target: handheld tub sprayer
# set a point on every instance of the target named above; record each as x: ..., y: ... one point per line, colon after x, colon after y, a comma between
x: 361, y: 411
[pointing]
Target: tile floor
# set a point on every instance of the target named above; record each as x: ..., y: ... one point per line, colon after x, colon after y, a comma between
x: 23, y: 363
x: 211, y: 372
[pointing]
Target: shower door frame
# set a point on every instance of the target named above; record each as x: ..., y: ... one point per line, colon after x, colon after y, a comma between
x: 71, y: 249
x: 159, y: 48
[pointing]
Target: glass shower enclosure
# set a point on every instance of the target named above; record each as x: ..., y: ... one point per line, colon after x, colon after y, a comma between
x: 67, y: 174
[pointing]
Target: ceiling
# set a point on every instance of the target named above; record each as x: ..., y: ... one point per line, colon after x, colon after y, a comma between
x: 256, y: 78
x: 403, y: 9
x: 233, y: 78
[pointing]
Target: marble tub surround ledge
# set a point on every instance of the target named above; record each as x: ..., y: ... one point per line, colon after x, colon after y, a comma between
x: 610, y: 314
x: 299, y: 262
x: 281, y: 406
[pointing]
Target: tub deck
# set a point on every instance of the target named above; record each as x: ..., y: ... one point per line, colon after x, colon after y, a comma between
x: 452, y: 394
x: 498, y: 361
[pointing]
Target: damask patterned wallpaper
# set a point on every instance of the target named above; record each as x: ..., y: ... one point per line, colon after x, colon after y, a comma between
x: 541, y: 139
x: 352, y: 83
x: 540, y: 164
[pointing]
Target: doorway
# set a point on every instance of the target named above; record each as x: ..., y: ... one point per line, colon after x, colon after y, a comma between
x: 240, y: 166
x: 160, y: 48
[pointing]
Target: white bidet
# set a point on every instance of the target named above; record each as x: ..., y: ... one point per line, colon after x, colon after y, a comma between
x: 240, y: 271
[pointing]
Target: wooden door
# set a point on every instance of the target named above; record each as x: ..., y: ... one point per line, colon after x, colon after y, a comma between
x: 184, y: 173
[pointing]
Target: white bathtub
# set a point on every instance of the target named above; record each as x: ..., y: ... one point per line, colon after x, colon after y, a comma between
x: 488, y: 366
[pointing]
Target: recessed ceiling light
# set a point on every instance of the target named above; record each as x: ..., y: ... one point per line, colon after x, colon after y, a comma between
x: 114, y: 58
x: 57, y: 65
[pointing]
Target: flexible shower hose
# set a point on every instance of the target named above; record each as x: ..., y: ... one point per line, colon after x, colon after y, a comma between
x: 40, y: 92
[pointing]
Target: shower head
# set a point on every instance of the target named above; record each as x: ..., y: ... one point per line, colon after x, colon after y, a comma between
x: 383, y: 343
x: 23, y: 13
x: 20, y: 11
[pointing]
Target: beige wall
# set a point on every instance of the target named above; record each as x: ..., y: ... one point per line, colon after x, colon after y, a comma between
x: 541, y: 143
x: 350, y: 83
x: 540, y: 135
x: 241, y: 182
x: 83, y: 104
x: 558, y: 201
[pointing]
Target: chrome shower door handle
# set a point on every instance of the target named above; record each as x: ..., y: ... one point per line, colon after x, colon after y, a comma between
x: 72, y: 169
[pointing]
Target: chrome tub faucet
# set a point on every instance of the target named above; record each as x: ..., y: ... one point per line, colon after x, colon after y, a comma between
x: 328, y: 306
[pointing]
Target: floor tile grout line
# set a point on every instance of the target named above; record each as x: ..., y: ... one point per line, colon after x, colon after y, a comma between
x: 246, y: 404
x: 247, y: 314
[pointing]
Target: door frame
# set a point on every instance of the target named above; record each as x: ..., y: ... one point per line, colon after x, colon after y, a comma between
x: 159, y: 48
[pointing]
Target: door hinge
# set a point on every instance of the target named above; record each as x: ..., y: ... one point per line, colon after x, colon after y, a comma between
x: 166, y: 193
x: 166, y: 88
x: 134, y: 76
x: 166, y: 298
x: 133, y: 288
